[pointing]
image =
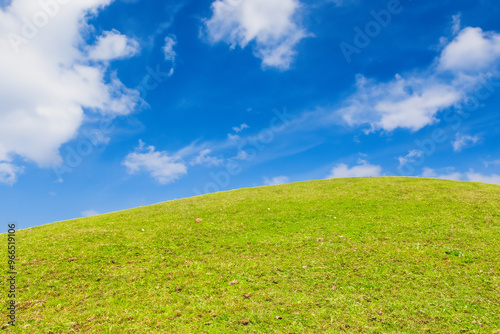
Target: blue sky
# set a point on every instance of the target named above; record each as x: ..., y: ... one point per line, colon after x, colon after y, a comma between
x: 109, y: 105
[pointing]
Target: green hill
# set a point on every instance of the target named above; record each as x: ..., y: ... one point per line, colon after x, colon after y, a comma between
x: 367, y: 255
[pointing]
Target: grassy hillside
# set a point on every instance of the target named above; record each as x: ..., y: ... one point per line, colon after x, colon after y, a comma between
x: 377, y: 255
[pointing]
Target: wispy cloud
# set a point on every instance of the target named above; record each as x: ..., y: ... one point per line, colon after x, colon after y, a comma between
x: 412, y: 156
x: 448, y: 173
x: 89, y: 213
x: 462, y: 141
x: 204, y: 158
x: 363, y: 169
x: 240, y: 128
x: 492, y: 163
x: 478, y: 177
x: 276, y: 180
x: 9, y: 173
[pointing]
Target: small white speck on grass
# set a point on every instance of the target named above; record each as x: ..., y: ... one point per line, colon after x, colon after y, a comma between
x: 269, y: 208
x: 142, y: 230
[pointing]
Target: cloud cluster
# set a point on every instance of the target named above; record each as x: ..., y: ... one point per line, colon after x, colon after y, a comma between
x: 161, y: 166
x: 449, y: 173
x: 168, y: 48
x: 52, y: 78
x: 412, y: 102
x: 271, y: 25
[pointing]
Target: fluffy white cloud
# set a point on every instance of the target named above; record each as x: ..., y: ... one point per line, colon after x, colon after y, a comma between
x: 205, y: 159
x: 9, y: 173
x: 276, y: 180
x: 363, y: 169
x: 462, y: 141
x: 478, y: 177
x: 49, y: 79
x: 472, y: 50
x: 412, y: 102
x: 113, y: 45
x: 402, y: 103
x: 447, y: 174
x: 270, y: 24
x: 162, y: 167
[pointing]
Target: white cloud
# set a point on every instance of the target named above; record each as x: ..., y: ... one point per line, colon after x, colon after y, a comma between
x: 478, y: 177
x: 410, y: 157
x: 49, y: 80
x: 402, y: 103
x: 447, y: 174
x: 276, y: 180
x: 270, y: 24
x: 9, y: 173
x: 472, y: 50
x: 462, y: 141
x: 240, y: 128
x: 363, y: 169
x: 162, y: 167
x: 205, y: 159
x: 412, y: 102
x: 89, y: 213
x: 168, y: 48
x: 113, y: 45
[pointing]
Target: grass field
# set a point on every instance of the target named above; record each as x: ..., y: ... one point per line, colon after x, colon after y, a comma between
x: 367, y: 255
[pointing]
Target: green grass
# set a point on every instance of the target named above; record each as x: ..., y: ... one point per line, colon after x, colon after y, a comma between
x: 373, y: 255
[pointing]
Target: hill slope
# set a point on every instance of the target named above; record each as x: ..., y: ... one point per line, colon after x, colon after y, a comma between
x: 392, y: 255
